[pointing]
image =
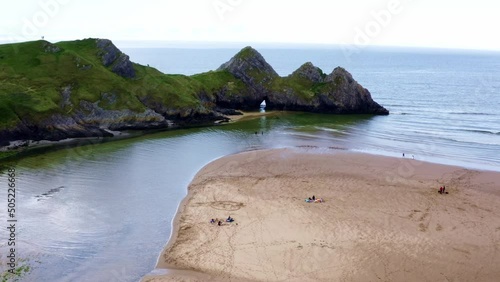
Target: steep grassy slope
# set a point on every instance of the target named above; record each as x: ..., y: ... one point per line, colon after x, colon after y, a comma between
x: 34, y: 74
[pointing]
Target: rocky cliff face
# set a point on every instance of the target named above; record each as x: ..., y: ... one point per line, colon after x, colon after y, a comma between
x: 306, y: 89
x: 252, y: 69
x: 345, y: 95
x: 112, y: 57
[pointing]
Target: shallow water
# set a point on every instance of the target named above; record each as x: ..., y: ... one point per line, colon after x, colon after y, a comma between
x: 444, y: 104
x: 103, y: 212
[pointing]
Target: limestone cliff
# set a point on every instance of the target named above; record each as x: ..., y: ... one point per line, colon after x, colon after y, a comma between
x: 306, y: 89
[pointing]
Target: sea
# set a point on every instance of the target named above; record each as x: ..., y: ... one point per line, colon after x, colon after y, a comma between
x: 103, y: 211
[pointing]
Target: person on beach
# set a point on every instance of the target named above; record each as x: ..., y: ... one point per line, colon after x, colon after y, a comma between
x: 441, y: 190
x: 444, y: 189
x: 403, y: 155
x: 230, y: 219
x: 220, y: 223
x: 313, y: 198
x: 212, y: 221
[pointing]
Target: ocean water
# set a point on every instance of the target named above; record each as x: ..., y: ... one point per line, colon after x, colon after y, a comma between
x: 444, y: 104
x: 103, y: 212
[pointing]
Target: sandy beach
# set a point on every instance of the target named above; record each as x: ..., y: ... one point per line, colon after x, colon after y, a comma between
x: 382, y: 219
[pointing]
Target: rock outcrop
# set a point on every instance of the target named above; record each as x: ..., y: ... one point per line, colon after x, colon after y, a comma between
x: 89, y: 106
x: 348, y: 95
x: 306, y: 89
x: 257, y: 75
x: 309, y: 72
x: 249, y: 66
x: 112, y: 57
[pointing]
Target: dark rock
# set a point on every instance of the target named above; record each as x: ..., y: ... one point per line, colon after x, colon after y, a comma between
x: 349, y: 96
x: 109, y: 98
x: 124, y: 67
x: 111, y: 56
x: 91, y: 114
x: 53, y: 128
x: 107, y: 51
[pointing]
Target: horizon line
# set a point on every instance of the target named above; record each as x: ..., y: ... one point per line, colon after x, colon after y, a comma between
x: 173, y: 44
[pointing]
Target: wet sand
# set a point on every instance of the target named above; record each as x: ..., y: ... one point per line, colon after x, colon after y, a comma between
x: 382, y: 219
x: 252, y: 115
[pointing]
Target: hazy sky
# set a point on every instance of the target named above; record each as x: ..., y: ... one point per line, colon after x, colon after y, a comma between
x: 437, y: 23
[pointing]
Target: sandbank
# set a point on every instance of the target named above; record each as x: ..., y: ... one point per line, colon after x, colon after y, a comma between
x: 382, y: 219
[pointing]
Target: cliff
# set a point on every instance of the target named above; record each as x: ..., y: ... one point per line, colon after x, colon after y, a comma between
x: 306, y: 89
x: 89, y: 88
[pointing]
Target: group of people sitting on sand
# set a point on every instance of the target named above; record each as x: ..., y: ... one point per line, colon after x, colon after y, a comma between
x: 442, y: 190
x: 219, y: 222
x: 314, y: 200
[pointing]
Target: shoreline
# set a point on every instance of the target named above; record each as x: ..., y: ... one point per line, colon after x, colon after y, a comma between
x: 251, y: 115
x: 18, y: 148
x: 410, y: 174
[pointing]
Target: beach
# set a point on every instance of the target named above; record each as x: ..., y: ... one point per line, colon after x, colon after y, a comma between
x: 382, y: 219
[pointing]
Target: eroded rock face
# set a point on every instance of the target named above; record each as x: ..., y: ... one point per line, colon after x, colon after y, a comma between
x: 92, y: 114
x: 112, y: 56
x: 347, y: 94
x: 107, y: 51
x: 123, y: 67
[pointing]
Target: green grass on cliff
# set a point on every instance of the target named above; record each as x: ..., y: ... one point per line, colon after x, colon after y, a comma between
x: 216, y: 80
x: 33, y: 76
x: 32, y: 79
x: 303, y: 88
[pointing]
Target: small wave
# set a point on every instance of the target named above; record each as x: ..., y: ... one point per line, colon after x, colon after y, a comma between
x: 481, y: 131
x: 400, y: 105
x: 468, y: 141
x: 329, y: 129
x: 471, y: 113
x: 401, y: 113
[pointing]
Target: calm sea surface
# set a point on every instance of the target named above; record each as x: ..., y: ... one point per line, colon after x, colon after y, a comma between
x: 103, y: 212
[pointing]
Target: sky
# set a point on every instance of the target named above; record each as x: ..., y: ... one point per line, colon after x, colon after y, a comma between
x: 358, y: 23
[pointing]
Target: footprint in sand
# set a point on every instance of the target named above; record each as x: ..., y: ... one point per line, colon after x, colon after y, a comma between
x: 424, y: 216
x: 413, y: 212
x: 227, y: 205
